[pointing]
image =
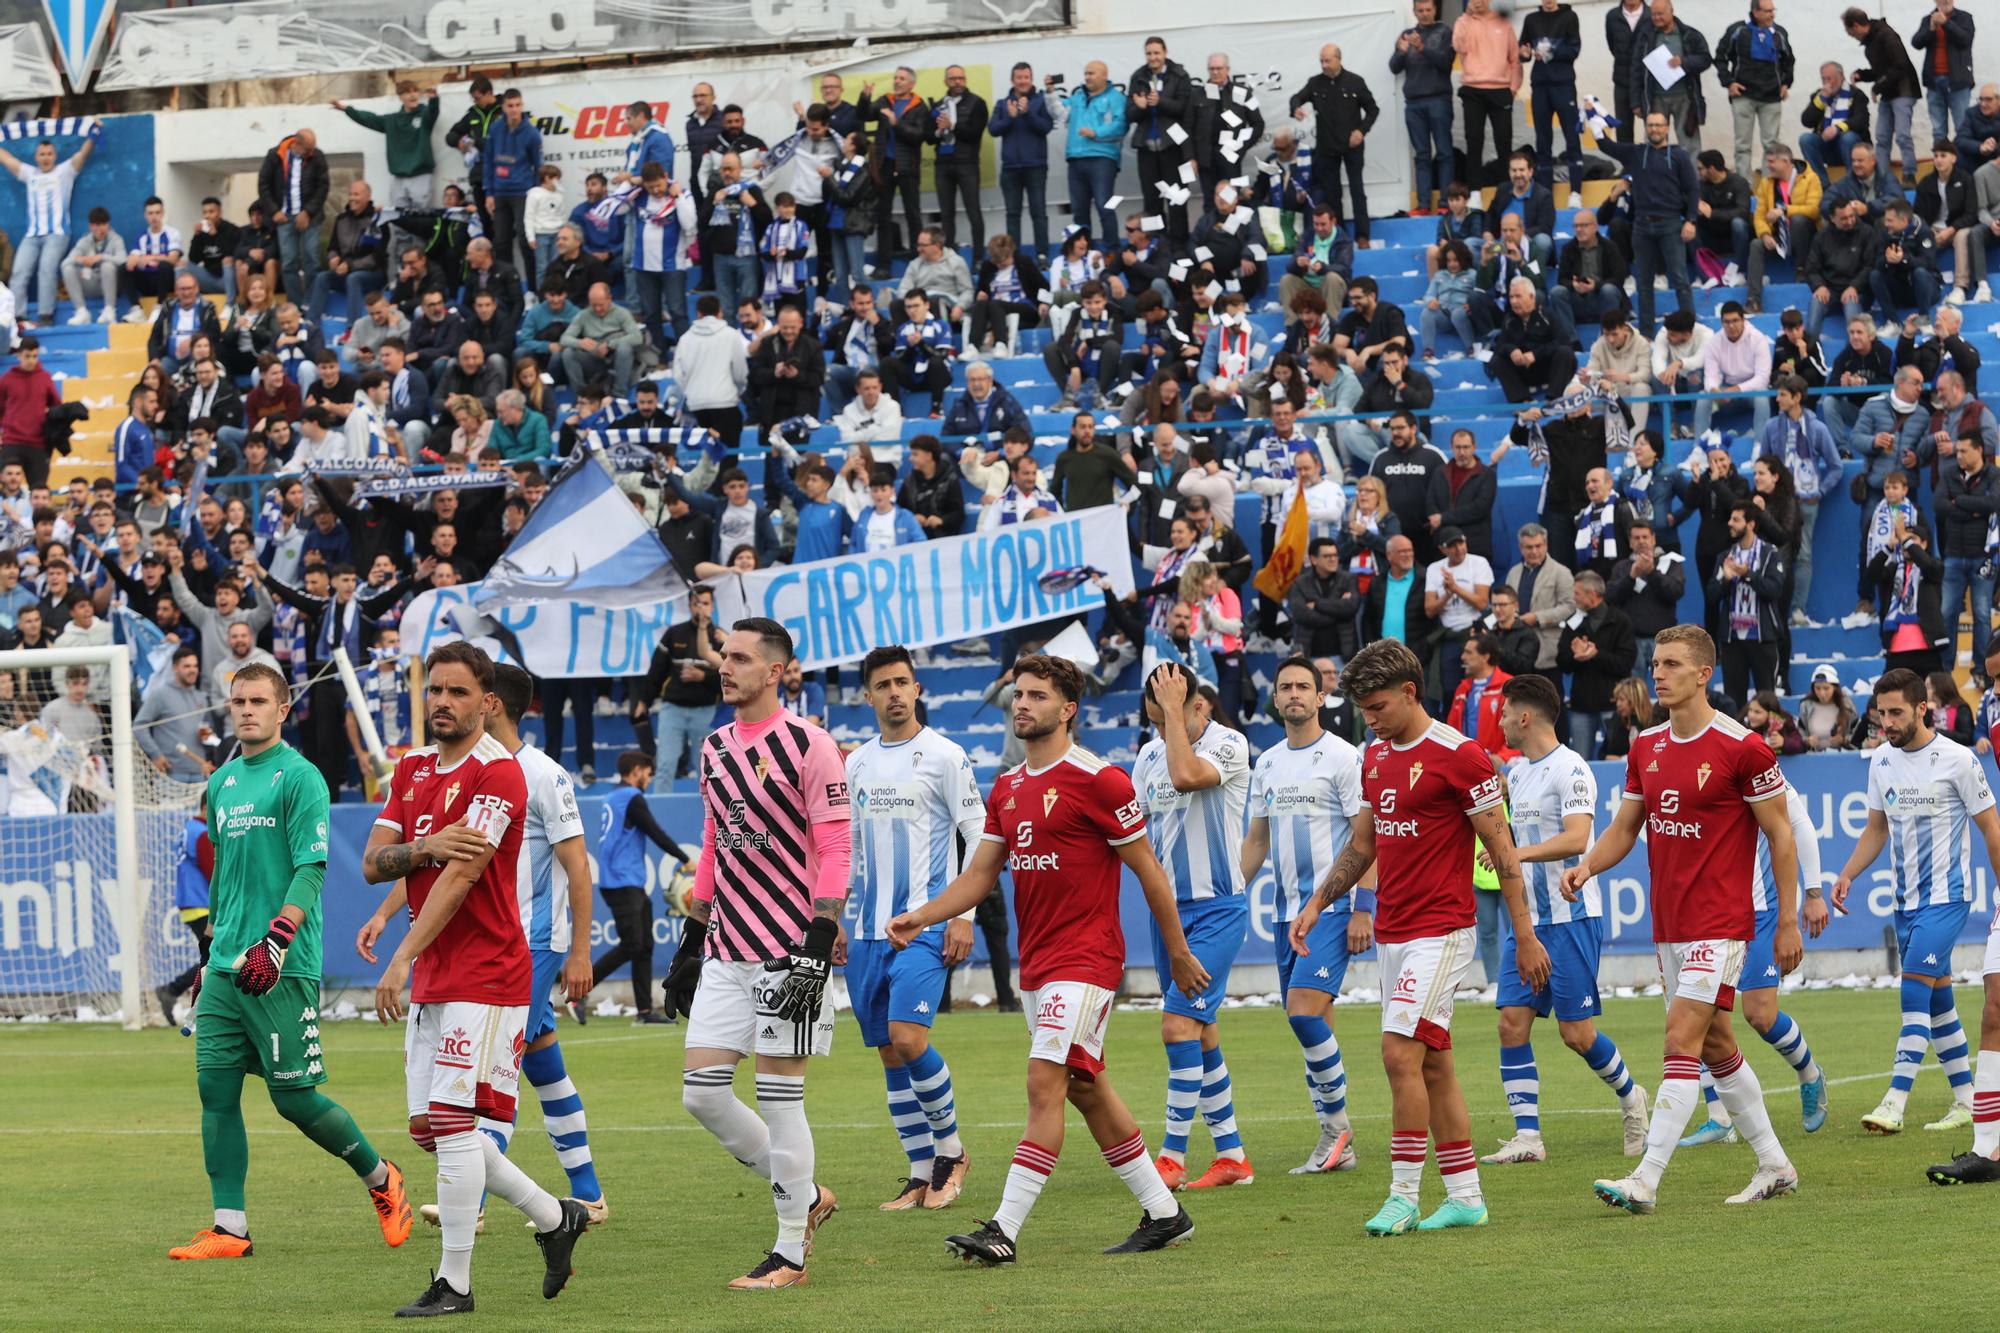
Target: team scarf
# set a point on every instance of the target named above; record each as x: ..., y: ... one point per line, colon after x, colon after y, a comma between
x: 779, y: 154
x: 1233, y: 348
x: 1798, y: 458
x: 1744, y: 602
x: 57, y: 127
x: 1989, y: 714
x: 784, y: 275
x: 392, y: 487
x: 1617, y: 433
x: 348, y: 467
x: 1362, y: 563
x: 1597, y: 531
x: 1636, y: 488
x: 1598, y: 117
x: 1170, y: 567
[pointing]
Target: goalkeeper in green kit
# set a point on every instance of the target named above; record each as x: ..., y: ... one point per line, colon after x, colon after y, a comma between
x: 257, y: 1002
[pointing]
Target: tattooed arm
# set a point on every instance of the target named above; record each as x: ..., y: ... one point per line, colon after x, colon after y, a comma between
x: 386, y: 859
x: 1348, y: 868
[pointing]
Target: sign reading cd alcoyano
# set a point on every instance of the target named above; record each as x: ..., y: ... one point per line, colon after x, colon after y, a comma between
x: 275, y: 38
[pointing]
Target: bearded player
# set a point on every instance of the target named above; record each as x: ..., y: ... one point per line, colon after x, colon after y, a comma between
x: 1305, y: 801
x: 462, y: 802
x: 1063, y: 823
x: 1700, y: 786
x: 761, y: 936
x: 260, y: 1011
x: 1429, y: 791
x: 551, y: 840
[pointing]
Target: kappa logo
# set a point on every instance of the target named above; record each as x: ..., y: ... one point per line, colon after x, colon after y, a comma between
x: 1930, y: 958
x: 229, y: 782
x: 923, y: 1007
x: 1324, y: 974
x: 1770, y: 970
x: 1200, y: 1003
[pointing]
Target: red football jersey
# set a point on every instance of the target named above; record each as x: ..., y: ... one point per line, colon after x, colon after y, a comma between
x: 1423, y: 796
x: 1062, y: 828
x: 1701, y: 837
x: 482, y: 953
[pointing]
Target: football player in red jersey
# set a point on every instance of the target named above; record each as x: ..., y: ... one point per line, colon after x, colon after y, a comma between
x: 1065, y: 823
x: 1427, y: 790
x: 1701, y: 786
x: 462, y: 803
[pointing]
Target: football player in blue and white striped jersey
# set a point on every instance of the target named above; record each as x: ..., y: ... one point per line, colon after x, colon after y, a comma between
x: 1305, y: 797
x: 916, y: 810
x: 1194, y: 778
x: 1552, y: 797
x: 1925, y: 793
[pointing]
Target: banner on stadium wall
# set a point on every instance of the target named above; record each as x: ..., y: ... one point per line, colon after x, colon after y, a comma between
x: 262, y: 39
x: 933, y: 592
x: 553, y: 639
x: 57, y: 929
x: 27, y: 69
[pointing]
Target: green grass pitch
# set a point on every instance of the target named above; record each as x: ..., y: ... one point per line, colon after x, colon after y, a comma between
x: 101, y: 1151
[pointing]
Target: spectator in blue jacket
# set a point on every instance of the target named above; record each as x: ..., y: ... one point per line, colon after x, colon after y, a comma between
x: 1022, y: 123
x: 603, y: 239
x: 823, y: 524
x: 409, y: 395
x: 510, y: 163
x: 884, y: 524
x: 1095, y: 117
x: 985, y: 408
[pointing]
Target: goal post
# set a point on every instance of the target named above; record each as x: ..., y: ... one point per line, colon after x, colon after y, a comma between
x: 89, y: 839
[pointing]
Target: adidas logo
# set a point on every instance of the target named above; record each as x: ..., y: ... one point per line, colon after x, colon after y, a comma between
x: 923, y: 1008
x: 1324, y: 973
x: 768, y: 1031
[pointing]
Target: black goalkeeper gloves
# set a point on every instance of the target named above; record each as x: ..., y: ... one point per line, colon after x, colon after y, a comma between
x: 810, y: 963
x: 257, y: 971
x: 684, y: 975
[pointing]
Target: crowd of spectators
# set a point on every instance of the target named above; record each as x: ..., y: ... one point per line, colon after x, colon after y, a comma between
x: 751, y: 287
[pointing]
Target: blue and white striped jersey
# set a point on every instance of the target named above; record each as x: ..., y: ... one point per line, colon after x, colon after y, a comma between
x: 1198, y: 835
x: 48, y: 196
x: 1929, y: 797
x: 1307, y: 794
x: 539, y: 887
x: 910, y: 803
x: 1541, y: 793
x: 1764, y: 885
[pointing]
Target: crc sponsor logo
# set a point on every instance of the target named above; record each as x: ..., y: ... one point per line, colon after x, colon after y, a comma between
x: 1406, y: 987
x: 456, y: 1042
x: 1054, y: 1009
x: 1698, y: 958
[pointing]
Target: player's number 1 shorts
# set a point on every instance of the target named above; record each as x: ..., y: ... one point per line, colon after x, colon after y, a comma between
x: 732, y: 1012
x: 275, y: 1034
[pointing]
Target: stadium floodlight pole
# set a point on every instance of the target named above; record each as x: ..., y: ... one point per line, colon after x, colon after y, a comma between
x: 371, y: 739
x: 127, y: 901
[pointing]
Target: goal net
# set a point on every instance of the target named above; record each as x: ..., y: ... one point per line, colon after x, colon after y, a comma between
x: 91, y: 834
